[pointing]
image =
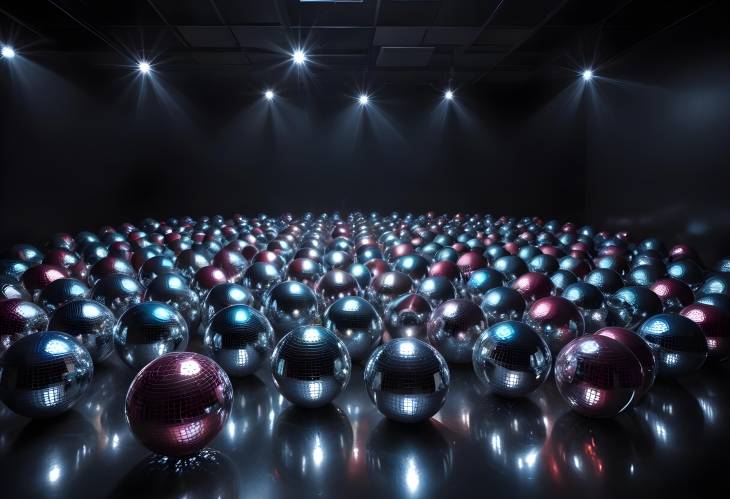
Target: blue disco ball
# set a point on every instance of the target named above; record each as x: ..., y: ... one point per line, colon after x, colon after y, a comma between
x: 503, y: 304
x: 118, y: 292
x: 310, y: 366
x: 90, y: 323
x: 407, y: 317
x: 44, y: 374
x: 147, y: 331
x: 407, y: 380
x: 356, y: 322
x: 290, y: 304
x: 222, y: 296
x: 437, y: 289
x: 678, y: 343
x: 240, y: 339
x: 61, y: 291
x: 172, y: 289
x: 454, y: 328
x: 512, y: 359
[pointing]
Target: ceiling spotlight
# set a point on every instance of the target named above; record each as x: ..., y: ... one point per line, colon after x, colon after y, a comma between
x: 269, y: 95
x: 587, y: 75
x: 363, y: 99
x: 8, y: 52
x: 299, y: 57
x: 449, y: 95
x: 144, y: 67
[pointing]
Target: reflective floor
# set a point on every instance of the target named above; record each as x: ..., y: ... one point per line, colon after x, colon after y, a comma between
x: 675, y: 443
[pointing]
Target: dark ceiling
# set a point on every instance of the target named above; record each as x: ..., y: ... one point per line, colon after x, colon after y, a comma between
x: 391, y: 41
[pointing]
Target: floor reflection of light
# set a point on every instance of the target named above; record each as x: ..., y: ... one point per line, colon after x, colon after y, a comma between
x: 707, y: 409
x: 413, y: 480
x: 54, y: 473
x: 660, y: 431
x: 317, y: 452
x: 496, y: 442
x: 115, y: 441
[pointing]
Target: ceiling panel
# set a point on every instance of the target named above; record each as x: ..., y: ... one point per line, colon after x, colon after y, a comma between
x: 503, y: 36
x: 208, y: 36
x: 408, y: 13
x: 328, y: 39
x: 402, y: 36
x: 330, y: 13
x: 404, y: 56
x: 188, y: 12
x: 248, y: 12
x: 261, y: 37
x: 449, y: 35
x: 145, y: 39
x: 465, y: 12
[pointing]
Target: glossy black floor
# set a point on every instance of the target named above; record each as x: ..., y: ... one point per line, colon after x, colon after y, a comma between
x: 675, y: 443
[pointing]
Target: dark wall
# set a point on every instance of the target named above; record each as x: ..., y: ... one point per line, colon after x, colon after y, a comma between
x: 658, y: 137
x: 86, y: 147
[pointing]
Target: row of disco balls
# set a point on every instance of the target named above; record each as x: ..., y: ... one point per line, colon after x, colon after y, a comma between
x: 405, y: 295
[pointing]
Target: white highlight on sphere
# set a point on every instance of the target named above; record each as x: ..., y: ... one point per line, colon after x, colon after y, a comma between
x: 587, y: 75
x: 144, y: 67
x: 8, y: 52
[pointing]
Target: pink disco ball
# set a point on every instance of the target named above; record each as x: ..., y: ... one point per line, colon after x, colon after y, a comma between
x: 715, y: 323
x: 178, y: 403
x: 533, y: 286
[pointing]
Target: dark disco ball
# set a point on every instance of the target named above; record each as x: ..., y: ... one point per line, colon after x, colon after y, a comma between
x: 388, y: 286
x: 289, y: 305
x: 533, y: 286
x: 673, y: 293
x: 502, y: 304
x: 678, y: 343
x: 606, y: 280
x: 590, y: 302
x: 259, y: 277
x: 718, y: 283
x: 630, y: 306
x: 511, y: 267
x: 687, y: 271
x: 310, y: 366
x: 305, y: 270
x: 407, y: 380
x: 470, y: 262
x: 36, y: 278
x: 715, y: 324
x: 557, y: 319
x: 62, y: 291
x: 448, y: 269
x: 44, y: 374
x: 561, y: 279
x: 222, y: 296
x: 178, y: 403
x: 118, y: 292
x: 639, y: 348
x: 334, y: 285
x: 414, y: 266
x: 19, y: 318
x: 454, y: 327
x: 481, y: 281
x: 172, y: 289
x: 511, y: 359
x: 545, y: 264
x: 718, y: 300
x: 90, y: 323
x: 240, y: 339
x: 189, y: 262
x: 148, y: 330
x: 598, y: 376
x: 361, y: 274
x: 205, y: 279
x: 154, y: 267
x: 407, y: 317
x: 108, y: 266
x: 11, y: 288
x: 356, y: 322
x: 232, y: 263
x: 437, y: 289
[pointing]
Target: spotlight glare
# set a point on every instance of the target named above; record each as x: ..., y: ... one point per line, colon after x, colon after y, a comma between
x: 587, y: 75
x: 8, y: 52
x: 299, y: 57
x: 363, y: 99
x: 144, y: 67
x: 449, y: 95
x: 269, y: 95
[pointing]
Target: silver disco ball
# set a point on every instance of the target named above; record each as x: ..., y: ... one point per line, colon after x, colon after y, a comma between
x: 118, y: 292
x: 290, y: 304
x: 222, y: 296
x: 147, y: 331
x: 454, y: 328
x: 678, y: 343
x: 356, y: 322
x: 407, y: 380
x: 503, y: 304
x: 90, y: 323
x: 310, y: 366
x: 260, y: 277
x: 61, y: 291
x: 437, y: 289
x: 511, y: 359
x: 173, y: 289
x: 44, y: 374
x: 240, y: 339
x: 407, y: 316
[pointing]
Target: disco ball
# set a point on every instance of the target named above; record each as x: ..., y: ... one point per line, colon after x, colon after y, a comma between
x: 715, y: 324
x: 19, y: 318
x: 644, y: 275
x: 557, y: 320
x: 310, y: 366
x: 673, y: 293
x: 189, y: 262
x: 407, y: 317
x: 118, y: 292
x: 334, y: 285
x: 361, y: 274
x: 447, y: 269
x: 687, y: 271
x: 512, y: 359
x: 605, y: 280
x: 61, y: 291
x: 108, y: 266
x: 172, y: 289
x: 716, y: 300
x: 639, y: 348
x: 10, y: 267
x: 454, y: 327
x: 355, y: 322
x: 232, y: 263
x: 590, y: 302
x: 336, y: 260
x: 718, y: 283
x: 154, y: 267
x: 630, y: 306
x: 678, y: 343
x: 503, y: 304
x: 511, y: 267
x: 290, y: 304
x: 437, y: 289
x: 482, y: 281
x: 305, y: 271
x: 545, y: 264
x: 205, y: 279
x: 240, y: 339
x: 222, y: 296
x: 36, y: 278
x: 259, y: 277
x: 10, y: 288
x: 598, y: 376
x: 44, y: 374
x: 561, y: 279
x: 407, y: 380
x: 388, y: 286
x: 90, y: 323
x: 414, y: 266
x: 178, y: 403
x: 533, y: 286
x: 470, y: 262
x: 148, y: 330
